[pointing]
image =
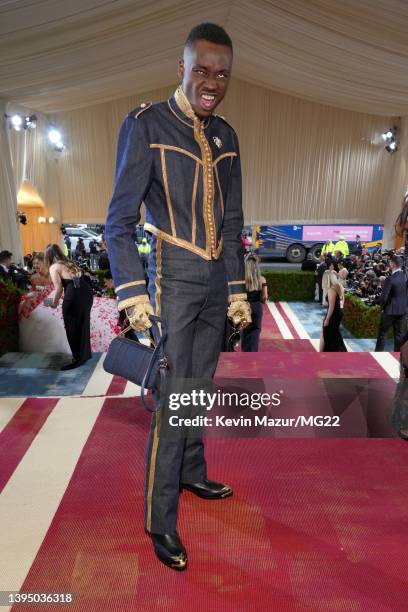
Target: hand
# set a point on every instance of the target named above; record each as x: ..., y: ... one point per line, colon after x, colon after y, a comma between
x: 326, y: 323
x: 138, y: 316
x: 239, y: 313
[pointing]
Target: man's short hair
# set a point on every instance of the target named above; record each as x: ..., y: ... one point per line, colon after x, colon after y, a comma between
x: 5, y: 255
x: 397, y: 260
x: 210, y: 32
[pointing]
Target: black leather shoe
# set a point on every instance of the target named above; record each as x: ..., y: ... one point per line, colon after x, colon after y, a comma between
x: 403, y: 433
x: 207, y: 489
x: 170, y: 550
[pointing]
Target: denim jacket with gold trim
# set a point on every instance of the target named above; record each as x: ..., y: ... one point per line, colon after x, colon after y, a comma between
x: 188, y: 174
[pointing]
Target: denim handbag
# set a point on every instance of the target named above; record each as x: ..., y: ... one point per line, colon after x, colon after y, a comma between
x: 143, y: 365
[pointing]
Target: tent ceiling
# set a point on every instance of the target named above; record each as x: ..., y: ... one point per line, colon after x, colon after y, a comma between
x: 61, y: 54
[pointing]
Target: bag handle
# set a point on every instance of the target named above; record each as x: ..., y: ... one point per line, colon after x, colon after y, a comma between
x: 158, y: 354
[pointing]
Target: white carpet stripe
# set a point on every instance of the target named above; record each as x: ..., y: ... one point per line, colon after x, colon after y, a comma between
x: 100, y: 380
x: 388, y: 363
x: 32, y: 495
x: 294, y: 319
x: 348, y: 347
x: 131, y: 390
x: 316, y: 343
x: 280, y: 321
x: 8, y: 408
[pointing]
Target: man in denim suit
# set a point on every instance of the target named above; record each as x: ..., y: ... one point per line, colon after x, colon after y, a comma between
x: 183, y: 162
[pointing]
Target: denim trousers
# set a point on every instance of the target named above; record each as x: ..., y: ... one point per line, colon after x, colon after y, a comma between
x: 190, y: 294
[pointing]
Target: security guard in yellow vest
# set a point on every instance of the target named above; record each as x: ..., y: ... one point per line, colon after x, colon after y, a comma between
x: 342, y: 246
x: 328, y: 247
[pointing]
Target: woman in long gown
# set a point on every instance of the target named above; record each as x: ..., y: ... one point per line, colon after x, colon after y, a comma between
x: 69, y: 279
x: 331, y: 340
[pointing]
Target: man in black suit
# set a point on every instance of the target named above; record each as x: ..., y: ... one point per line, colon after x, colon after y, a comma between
x: 5, y: 263
x: 393, y: 300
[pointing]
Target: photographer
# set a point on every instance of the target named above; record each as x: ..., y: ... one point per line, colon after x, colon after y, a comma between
x: 9, y: 271
x: 393, y: 300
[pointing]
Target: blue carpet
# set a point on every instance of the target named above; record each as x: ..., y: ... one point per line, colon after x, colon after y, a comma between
x: 311, y: 316
x: 38, y: 375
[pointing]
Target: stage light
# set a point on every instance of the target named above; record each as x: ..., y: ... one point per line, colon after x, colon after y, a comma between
x: 17, y: 122
x: 51, y: 220
x: 31, y: 122
x: 42, y: 220
x: 54, y: 136
x: 388, y: 135
x: 391, y: 140
x: 392, y: 147
x: 22, y: 217
x: 59, y: 146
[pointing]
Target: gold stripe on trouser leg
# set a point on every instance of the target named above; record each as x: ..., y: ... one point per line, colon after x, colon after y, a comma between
x: 155, y: 443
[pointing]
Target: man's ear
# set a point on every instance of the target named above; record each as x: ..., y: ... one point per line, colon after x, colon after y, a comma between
x: 180, y: 71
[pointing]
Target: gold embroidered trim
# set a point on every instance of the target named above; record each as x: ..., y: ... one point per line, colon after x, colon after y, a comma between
x: 219, y: 249
x: 193, y: 204
x: 237, y: 297
x: 215, y: 162
x: 208, y: 186
x: 167, y: 191
x: 137, y: 299
x: 237, y: 282
x: 152, y: 469
x: 158, y: 276
x: 142, y: 110
x: 183, y: 103
x: 178, y: 149
x: 177, y: 241
x: 185, y: 107
x: 177, y: 117
x: 220, y: 190
x: 132, y: 284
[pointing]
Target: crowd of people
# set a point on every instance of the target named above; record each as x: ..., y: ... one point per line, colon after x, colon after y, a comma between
x: 368, y: 274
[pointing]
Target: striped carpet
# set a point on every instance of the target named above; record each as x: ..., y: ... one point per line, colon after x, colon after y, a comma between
x: 315, y: 524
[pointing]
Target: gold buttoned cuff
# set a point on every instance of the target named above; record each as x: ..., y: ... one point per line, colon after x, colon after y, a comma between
x: 132, y: 301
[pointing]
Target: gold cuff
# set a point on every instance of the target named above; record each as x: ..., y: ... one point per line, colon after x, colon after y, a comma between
x: 236, y: 297
x: 132, y: 301
x: 132, y: 284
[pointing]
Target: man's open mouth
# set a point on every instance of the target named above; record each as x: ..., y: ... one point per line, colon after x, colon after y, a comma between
x: 208, y: 101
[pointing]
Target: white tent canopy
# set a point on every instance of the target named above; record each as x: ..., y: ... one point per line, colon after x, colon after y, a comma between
x: 57, y: 54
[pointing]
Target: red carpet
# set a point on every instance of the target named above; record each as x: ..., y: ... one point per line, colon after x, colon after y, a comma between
x: 291, y: 346
x: 313, y: 525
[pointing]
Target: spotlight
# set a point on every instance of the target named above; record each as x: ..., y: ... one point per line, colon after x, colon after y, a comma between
x: 392, y: 147
x: 42, y: 220
x: 51, y: 220
x: 388, y: 135
x: 59, y: 146
x: 17, y: 122
x: 54, y: 136
x: 31, y: 122
x: 22, y: 217
x: 390, y: 138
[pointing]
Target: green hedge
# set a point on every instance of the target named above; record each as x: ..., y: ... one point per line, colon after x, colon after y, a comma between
x: 360, y: 319
x: 290, y: 286
x: 9, y: 300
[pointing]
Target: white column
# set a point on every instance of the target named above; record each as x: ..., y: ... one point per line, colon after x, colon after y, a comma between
x: 398, y: 184
x: 9, y: 229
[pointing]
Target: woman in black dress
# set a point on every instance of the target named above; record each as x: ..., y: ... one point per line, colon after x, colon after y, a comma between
x: 331, y: 340
x: 67, y: 277
x: 257, y: 293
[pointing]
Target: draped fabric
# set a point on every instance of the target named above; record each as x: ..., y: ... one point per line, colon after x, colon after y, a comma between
x: 301, y: 161
x: 34, y: 159
x: 58, y: 55
x: 398, y: 185
x: 9, y: 236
